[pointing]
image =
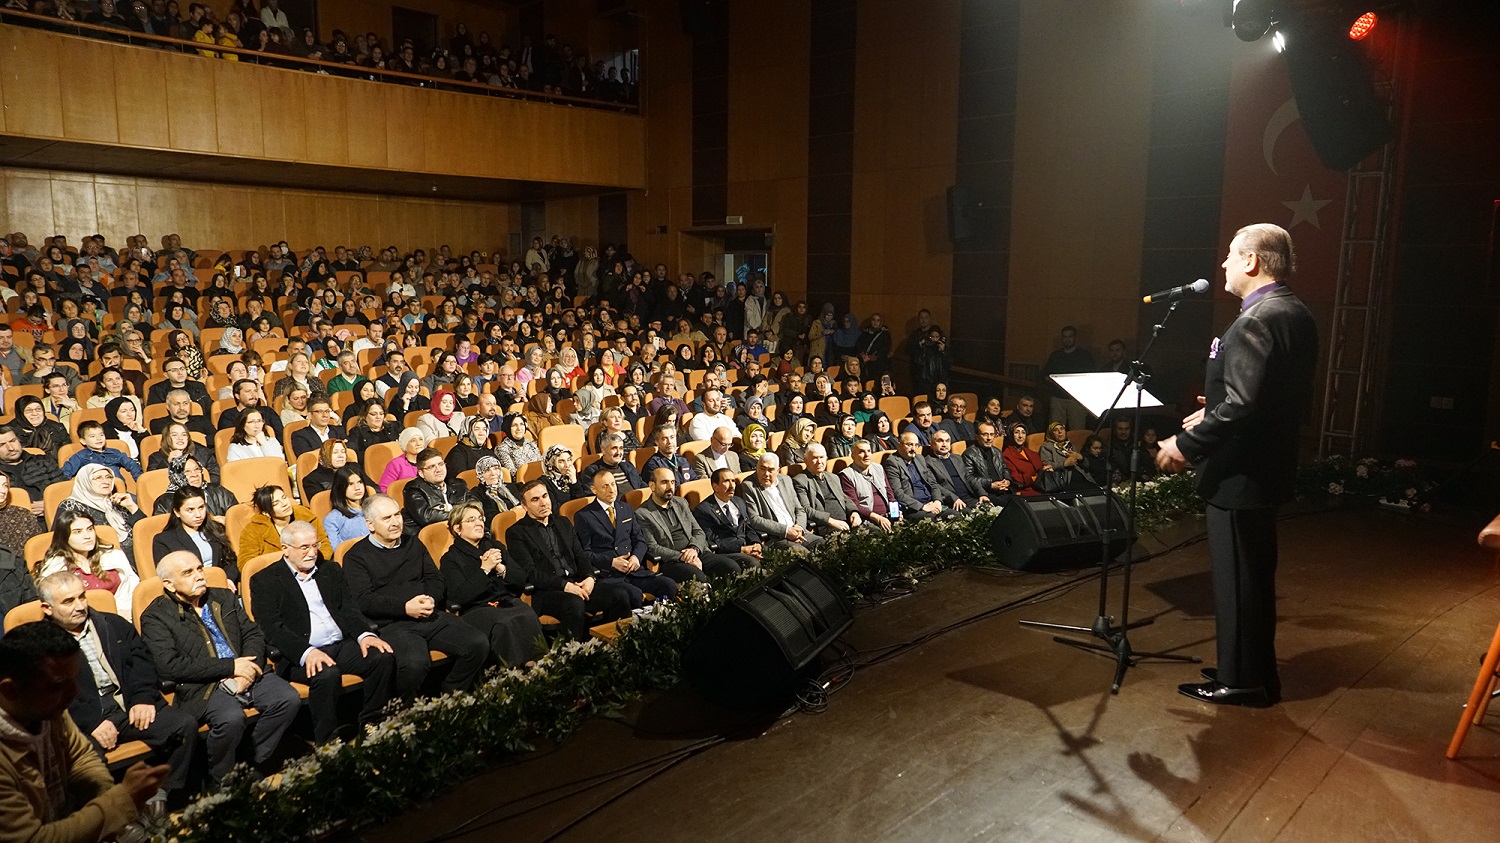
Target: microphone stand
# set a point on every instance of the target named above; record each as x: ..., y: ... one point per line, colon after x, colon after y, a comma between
x: 1114, y: 639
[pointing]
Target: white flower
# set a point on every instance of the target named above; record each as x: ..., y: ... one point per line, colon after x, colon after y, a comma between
x: 1335, y: 488
x: 1362, y: 471
x: 1405, y: 463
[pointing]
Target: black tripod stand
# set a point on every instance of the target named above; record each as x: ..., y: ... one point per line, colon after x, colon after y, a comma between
x: 1114, y: 639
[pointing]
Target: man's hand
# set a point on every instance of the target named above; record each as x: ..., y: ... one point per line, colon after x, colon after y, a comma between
x: 142, y: 716
x: 881, y: 521
x: 245, y: 668
x: 106, y: 734
x: 623, y: 564
x: 690, y: 556
x: 1192, y: 421
x: 1000, y: 485
x: 933, y: 507
x: 1170, y: 459
x: 854, y: 520
x: 419, y: 607
x: 588, y: 586
x: 143, y: 782
x: 38, y: 508
x: 373, y: 642
x: 751, y: 550
x: 576, y: 589
x: 958, y: 504
x: 795, y: 533
x: 316, y: 661
x: 841, y: 526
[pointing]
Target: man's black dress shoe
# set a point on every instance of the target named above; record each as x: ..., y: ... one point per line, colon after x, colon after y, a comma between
x: 1212, y: 675
x: 1220, y: 694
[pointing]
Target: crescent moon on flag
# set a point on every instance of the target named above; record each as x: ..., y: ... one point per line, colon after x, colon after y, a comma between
x: 1284, y: 116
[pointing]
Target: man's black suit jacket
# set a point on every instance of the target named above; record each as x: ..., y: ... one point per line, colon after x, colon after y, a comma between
x: 603, y: 541
x: 532, y: 561
x: 157, y: 394
x: 282, y: 612
x: 131, y: 661
x: 306, y: 439
x: 1257, y: 391
x: 722, y: 536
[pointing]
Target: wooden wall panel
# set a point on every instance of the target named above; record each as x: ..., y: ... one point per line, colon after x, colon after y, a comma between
x: 87, y: 95
x: 140, y: 89
x: 41, y: 203
x: 239, y: 113
x: 33, y: 89
x: 149, y: 99
x: 1080, y: 174
x: 575, y: 218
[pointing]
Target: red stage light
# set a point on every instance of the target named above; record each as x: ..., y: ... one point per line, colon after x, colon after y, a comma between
x: 1362, y: 26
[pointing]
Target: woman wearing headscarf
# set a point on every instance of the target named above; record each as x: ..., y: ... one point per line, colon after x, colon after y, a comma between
x: 540, y: 413
x: 176, y: 318
x: 879, y: 431
x: 557, y: 386
x: 518, y: 448
x: 184, y: 472
x: 1024, y: 464
x: 181, y: 344
x: 753, y: 444
x: 560, y: 473
x: 232, y: 341
x: 94, y: 497
x: 471, y: 447
x: 792, y: 409
x: 404, y: 465
x: 1057, y: 452
x: 406, y: 397
x: 442, y: 418
x: 493, y: 492
x: 122, y: 421
x: 794, y: 446
x: 865, y: 407
x: 35, y: 430
x: 587, y: 413
x: 829, y: 411
x: 844, y: 339
x: 752, y: 411
x: 839, y: 440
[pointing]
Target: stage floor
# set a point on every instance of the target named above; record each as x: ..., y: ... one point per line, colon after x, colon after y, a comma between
x: 993, y: 732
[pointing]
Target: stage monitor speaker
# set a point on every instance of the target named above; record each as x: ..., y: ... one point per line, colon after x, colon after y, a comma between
x: 1330, y: 76
x: 755, y: 651
x: 1060, y: 533
x: 963, y: 214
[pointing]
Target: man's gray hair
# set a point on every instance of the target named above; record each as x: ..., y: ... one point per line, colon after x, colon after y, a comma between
x: 861, y: 441
x: 770, y: 457
x: 173, y: 393
x: 48, y: 585
x: 368, y: 505
x: 292, y: 531
x: 808, y: 451
x: 612, y: 439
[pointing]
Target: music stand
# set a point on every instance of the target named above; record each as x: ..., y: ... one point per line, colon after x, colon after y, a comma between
x: 1100, y: 393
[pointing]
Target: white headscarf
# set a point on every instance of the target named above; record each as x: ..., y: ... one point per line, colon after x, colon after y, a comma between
x: 83, y: 493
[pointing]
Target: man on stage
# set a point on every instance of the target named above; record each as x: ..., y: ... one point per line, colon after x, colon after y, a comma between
x: 1244, y: 443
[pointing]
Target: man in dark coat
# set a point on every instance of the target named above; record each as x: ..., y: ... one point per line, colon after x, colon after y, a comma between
x: 1244, y: 444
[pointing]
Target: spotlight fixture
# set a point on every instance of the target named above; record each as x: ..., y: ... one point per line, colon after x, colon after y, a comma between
x: 1362, y: 26
x: 1278, y: 40
x: 1252, y: 19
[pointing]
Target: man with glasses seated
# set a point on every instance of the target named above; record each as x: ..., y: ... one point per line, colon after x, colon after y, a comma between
x: 177, y: 378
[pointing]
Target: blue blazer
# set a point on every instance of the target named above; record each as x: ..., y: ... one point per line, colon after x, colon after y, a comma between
x: 602, y: 542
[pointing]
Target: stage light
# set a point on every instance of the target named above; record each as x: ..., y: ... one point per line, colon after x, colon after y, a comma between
x: 1278, y: 40
x: 1251, y: 19
x: 1362, y: 26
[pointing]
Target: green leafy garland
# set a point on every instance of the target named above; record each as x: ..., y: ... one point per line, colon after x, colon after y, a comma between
x: 424, y: 749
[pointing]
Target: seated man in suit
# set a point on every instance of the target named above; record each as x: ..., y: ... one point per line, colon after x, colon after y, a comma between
x: 395, y: 583
x: 119, y: 698
x: 201, y: 639
x: 959, y: 428
x: 179, y: 404
x: 307, y: 614
x: 320, y: 427
x: 611, y: 536
x: 865, y: 483
x: 666, y: 456
x: 726, y: 520
x: 916, y: 483
x: 612, y: 462
x: 177, y: 378
x: 921, y: 423
x: 675, y: 540
x: 247, y: 395
x: 774, y: 509
x: 821, y: 494
x: 432, y: 494
x: 986, y: 465
x: 720, y: 454
x: 546, y: 555
x: 952, y: 472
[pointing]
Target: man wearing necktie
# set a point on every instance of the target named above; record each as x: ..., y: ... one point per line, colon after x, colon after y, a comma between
x: 611, y: 537
x: 724, y: 519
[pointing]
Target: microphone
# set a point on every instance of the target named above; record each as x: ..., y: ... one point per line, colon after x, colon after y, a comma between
x: 1175, y: 293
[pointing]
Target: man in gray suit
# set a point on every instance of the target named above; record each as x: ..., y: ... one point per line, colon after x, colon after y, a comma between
x: 720, y: 454
x: 774, y: 510
x: 829, y: 510
x: 916, y: 484
x: 674, y: 538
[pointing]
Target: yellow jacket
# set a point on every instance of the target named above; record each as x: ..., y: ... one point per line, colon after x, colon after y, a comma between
x: 25, y: 809
x: 262, y: 536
